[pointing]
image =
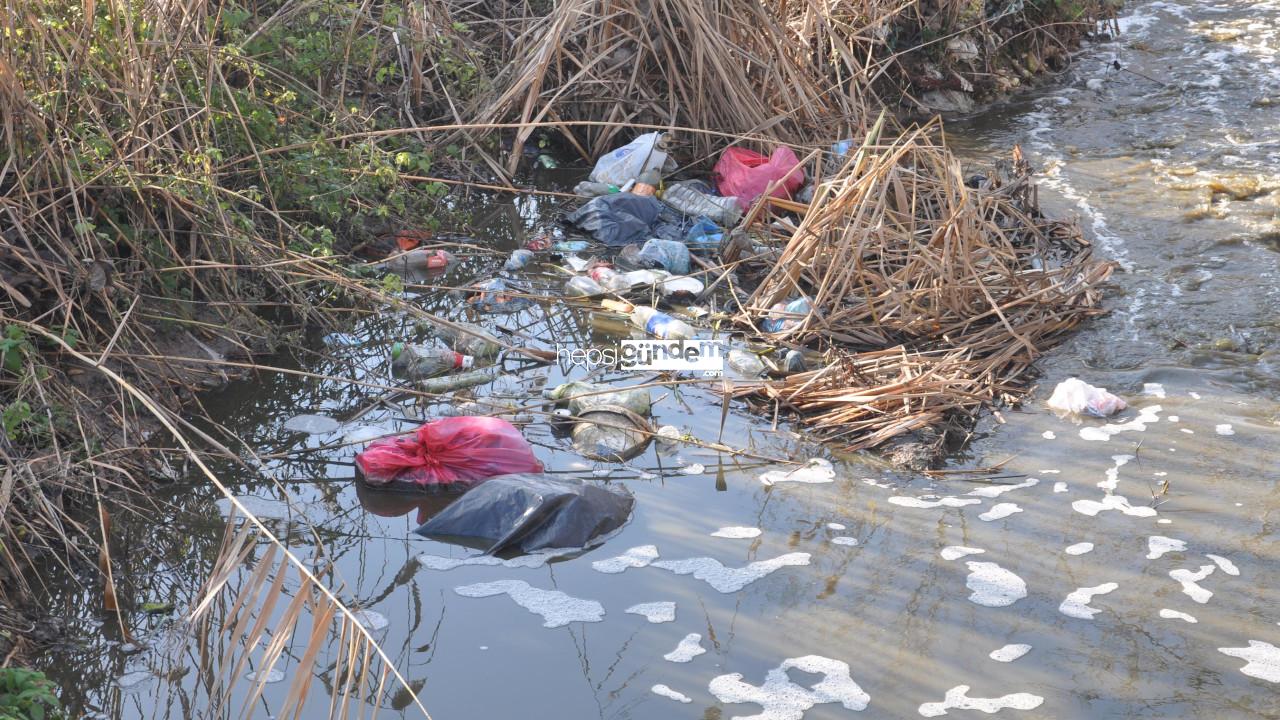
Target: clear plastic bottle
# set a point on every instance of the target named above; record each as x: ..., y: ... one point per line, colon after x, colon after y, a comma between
x: 637, y: 400
x: 582, y: 286
x: 745, y: 363
x: 586, y: 188
x: 476, y: 341
x: 418, y: 361
x: 449, y: 383
x: 518, y: 260
x: 684, y: 196
x: 609, y: 279
x: 660, y: 324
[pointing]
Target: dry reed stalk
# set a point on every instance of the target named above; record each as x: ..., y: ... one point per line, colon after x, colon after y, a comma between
x: 935, y: 297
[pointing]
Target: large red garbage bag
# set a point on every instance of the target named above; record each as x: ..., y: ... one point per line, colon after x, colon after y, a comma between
x: 746, y: 174
x: 449, y: 450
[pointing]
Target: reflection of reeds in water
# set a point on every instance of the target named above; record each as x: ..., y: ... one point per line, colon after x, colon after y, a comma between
x: 935, y: 297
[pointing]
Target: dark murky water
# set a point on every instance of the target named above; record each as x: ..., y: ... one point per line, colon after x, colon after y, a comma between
x: 1173, y: 163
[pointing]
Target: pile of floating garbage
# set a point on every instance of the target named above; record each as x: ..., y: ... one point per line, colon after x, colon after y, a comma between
x: 871, y: 291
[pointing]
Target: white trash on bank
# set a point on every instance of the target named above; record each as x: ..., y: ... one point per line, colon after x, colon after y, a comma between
x: 1074, y: 396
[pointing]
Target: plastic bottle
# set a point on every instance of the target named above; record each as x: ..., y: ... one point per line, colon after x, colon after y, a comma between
x: 449, y: 383
x: 419, y: 259
x: 476, y: 342
x: 637, y: 400
x: 660, y: 324
x: 647, y: 183
x: 745, y: 363
x: 793, y: 362
x: 777, y: 322
x: 417, y: 362
x: 670, y: 255
x: 586, y: 188
x: 609, y: 279
x: 538, y: 242
x: 645, y: 277
x: 547, y: 161
x: 582, y: 286
x: 685, y: 197
x: 518, y: 260
x: 571, y: 246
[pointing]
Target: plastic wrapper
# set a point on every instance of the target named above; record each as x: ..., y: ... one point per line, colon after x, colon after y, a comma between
x: 1077, y: 397
x: 451, y: 450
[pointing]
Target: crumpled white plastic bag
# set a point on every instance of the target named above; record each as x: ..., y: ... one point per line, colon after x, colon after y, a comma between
x: 1077, y: 397
x: 629, y: 161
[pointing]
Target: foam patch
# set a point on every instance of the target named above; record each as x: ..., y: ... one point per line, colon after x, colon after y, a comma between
x: 955, y: 552
x: 1112, y: 502
x: 783, y: 699
x: 1113, y: 472
x: 835, y: 526
x: 940, y: 502
x: 1224, y: 429
x: 1009, y: 653
x: 689, y: 648
x: 993, y: 586
x: 843, y: 540
x: 1146, y: 416
x: 815, y: 471
x: 1049, y: 435
x: 1224, y: 564
x: 1190, y: 582
x: 1158, y: 545
x: 1168, y: 614
x: 1059, y: 487
x: 556, y: 608
x: 1079, y: 548
x: 957, y: 699
x: 992, y: 491
x: 655, y: 612
x: 667, y: 692
x: 371, y: 619
x: 737, y: 533
x: 1077, y: 603
x: 1264, y: 660
x: 999, y: 511
x: 636, y: 557
x: 726, y: 579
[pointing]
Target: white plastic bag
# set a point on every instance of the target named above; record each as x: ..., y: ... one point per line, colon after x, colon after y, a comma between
x: 627, y: 162
x: 1075, y: 396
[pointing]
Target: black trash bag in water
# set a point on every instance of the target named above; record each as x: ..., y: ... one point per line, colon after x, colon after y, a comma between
x: 617, y: 219
x: 527, y: 512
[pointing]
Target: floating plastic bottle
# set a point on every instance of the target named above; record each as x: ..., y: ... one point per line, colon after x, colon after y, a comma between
x: 449, y: 383
x: 647, y: 183
x: 582, y: 286
x: 417, y: 361
x: 685, y: 197
x: 793, y: 361
x: 518, y: 260
x: 747, y: 364
x: 609, y: 279
x: 419, y: 260
x: 547, y: 161
x: 637, y: 400
x: 476, y: 342
x: 586, y: 188
x: 571, y: 246
x: 660, y: 324
x: 780, y: 315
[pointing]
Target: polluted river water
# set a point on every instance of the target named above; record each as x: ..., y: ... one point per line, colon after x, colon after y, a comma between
x: 1119, y: 568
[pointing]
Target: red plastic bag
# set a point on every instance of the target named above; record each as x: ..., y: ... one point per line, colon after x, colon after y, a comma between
x: 746, y: 174
x: 449, y: 450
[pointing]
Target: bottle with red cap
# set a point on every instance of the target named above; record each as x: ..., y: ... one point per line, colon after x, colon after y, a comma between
x: 417, y: 361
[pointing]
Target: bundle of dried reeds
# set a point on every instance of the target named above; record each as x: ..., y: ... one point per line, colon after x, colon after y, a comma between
x: 722, y: 65
x: 934, y: 296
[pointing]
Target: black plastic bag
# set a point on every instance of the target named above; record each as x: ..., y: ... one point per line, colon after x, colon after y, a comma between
x: 528, y: 512
x: 617, y: 219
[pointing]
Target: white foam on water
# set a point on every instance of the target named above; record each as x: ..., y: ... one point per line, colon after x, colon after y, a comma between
x: 667, y: 692
x: 1050, y: 472
x: 1049, y: 435
x: 1190, y: 582
x: 993, y: 491
x: 439, y: 562
x: 270, y: 676
x: 727, y: 579
x: 1173, y: 419
x: 998, y: 511
x: 957, y: 699
x: 655, y: 612
x: 737, y: 532
x: 940, y: 502
x: 364, y: 433
x: 1264, y: 660
x: 993, y: 586
x: 955, y: 552
x: 1146, y: 416
x: 1059, y: 487
x: 556, y: 608
x: 311, y: 424
x: 844, y: 540
x: 371, y: 619
x: 783, y: 699
x: 1224, y: 429
x: 1158, y: 545
x: 1079, y: 548
x: 132, y: 681
x: 1194, y: 395
x: 1153, y: 389
x: 1009, y: 653
x: 689, y: 648
x: 835, y: 526
x: 876, y: 483
x: 815, y: 471
x: 1112, y: 502
x: 1077, y: 603
x: 636, y: 557
x: 1188, y: 431
x: 1164, y: 521
x: 692, y: 469
x: 1224, y: 564
x: 1168, y: 614
x: 1113, y: 472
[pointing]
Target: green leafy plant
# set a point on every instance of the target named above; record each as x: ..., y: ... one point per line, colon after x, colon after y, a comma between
x: 27, y: 695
